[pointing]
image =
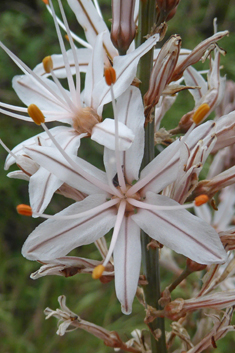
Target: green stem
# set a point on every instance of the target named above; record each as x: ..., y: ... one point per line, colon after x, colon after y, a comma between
x: 150, y: 257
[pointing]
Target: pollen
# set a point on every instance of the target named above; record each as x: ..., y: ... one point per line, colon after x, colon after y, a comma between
x: 110, y: 76
x: 36, y: 114
x: 200, y: 200
x: 200, y: 113
x: 47, y: 64
x: 24, y: 210
x: 98, y: 271
x: 46, y: 2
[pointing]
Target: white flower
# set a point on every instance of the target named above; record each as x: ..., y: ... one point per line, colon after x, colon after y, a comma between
x: 82, y: 111
x: 117, y: 200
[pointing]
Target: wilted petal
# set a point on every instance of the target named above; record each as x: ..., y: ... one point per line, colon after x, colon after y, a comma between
x: 127, y: 260
x: 104, y: 134
x: 225, y: 131
x: 210, y: 187
x: 180, y: 231
x: 193, y: 78
x: 55, y: 238
x: 197, y: 53
x: 65, y: 266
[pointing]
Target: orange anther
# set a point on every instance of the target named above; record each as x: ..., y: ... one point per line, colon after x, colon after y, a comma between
x: 200, y: 113
x: 66, y: 37
x: 47, y: 64
x: 46, y: 2
x: 24, y: 210
x: 36, y: 114
x: 200, y: 200
x: 110, y: 76
x: 98, y: 271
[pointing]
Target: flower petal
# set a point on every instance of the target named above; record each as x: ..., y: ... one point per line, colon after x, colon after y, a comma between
x: 42, y: 186
x: 130, y: 112
x: 35, y: 141
x: 95, y: 70
x: 83, y: 56
x: 55, y: 238
x: 52, y: 160
x: 92, y: 23
x: 181, y: 231
x: 193, y: 78
x: 125, y: 67
x: 32, y: 92
x: 127, y: 260
x: 104, y: 134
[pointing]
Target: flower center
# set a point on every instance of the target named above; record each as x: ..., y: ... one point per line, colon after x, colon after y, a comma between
x: 135, y: 196
x: 85, y: 120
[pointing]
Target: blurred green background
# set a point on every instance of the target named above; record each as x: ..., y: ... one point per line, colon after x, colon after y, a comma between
x: 27, y: 29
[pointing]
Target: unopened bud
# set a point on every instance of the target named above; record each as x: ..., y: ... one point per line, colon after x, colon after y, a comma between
x: 98, y: 271
x: 200, y: 113
x: 167, y: 5
x: 24, y: 210
x: 123, y: 25
x: 36, y: 114
x: 110, y: 76
x: 200, y: 200
x: 47, y: 64
x: 166, y: 9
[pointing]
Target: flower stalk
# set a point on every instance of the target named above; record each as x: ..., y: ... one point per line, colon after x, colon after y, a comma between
x: 150, y: 257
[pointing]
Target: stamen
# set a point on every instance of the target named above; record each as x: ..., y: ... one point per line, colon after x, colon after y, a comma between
x: 65, y: 57
x: 33, y: 75
x: 47, y: 64
x: 98, y: 271
x: 93, y: 211
x: 7, y: 149
x: 152, y: 207
x: 70, y: 39
x: 66, y: 37
x: 92, y: 179
x: 200, y: 200
x: 60, y: 23
x: 117, y: 226
x: 200, y: 113
x: 110, y: 76
x: 24, y: 210
x: 36, y: 114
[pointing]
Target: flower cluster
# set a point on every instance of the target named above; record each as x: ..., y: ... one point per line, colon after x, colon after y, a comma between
x: 128, y: 196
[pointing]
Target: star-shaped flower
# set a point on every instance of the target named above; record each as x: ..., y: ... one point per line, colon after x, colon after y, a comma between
x: 117, y: 200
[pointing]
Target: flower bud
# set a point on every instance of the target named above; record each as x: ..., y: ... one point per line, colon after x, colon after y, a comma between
x: 123, y: 25
x: 166, y: 9
x: 167, y: 5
